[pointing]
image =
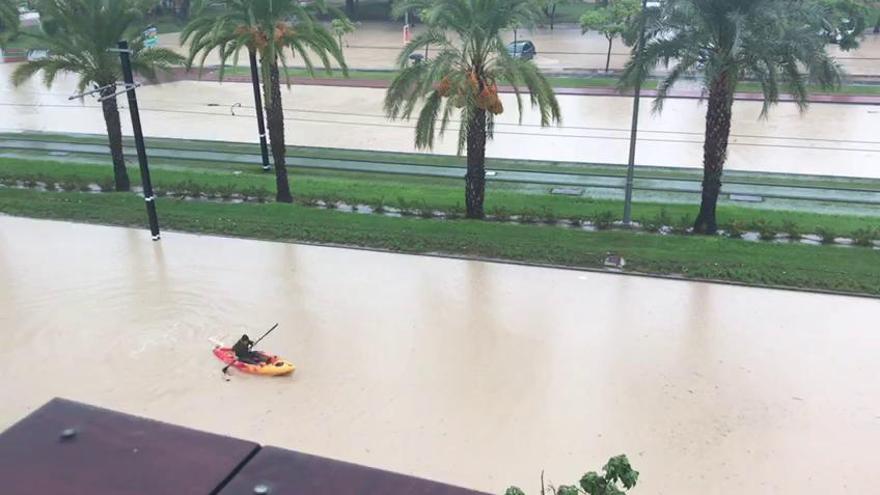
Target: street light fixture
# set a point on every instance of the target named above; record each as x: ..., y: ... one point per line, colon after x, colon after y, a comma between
x: 630, y: 168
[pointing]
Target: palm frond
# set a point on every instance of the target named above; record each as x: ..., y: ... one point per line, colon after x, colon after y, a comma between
x: 775, y: 42
x: 469, y: 62
x: 79, y: 35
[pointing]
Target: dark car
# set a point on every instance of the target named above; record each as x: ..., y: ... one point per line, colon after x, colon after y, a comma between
x: 523, y: 49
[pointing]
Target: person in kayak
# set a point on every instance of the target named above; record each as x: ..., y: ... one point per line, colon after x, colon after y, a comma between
x: 244, y: 353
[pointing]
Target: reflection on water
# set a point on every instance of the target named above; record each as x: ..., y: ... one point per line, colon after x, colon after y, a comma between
x: 473, y: 373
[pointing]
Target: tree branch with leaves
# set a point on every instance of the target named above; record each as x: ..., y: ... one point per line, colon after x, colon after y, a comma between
x: 275, y: 30
x: 617, y: 478
x: 611, y: 21
x: 459, y: 85
x: 777, y: 43
x: 78, y: 35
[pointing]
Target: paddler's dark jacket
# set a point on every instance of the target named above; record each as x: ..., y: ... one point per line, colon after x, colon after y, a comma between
x: 242, y: 348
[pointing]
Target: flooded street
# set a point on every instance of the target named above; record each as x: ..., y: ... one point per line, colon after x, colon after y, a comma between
x: 376, y: 45
x: 828, y: 140
x: 473, y: 373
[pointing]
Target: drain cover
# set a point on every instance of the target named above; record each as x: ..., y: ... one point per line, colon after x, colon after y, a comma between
x: 567, y: 191
x: 748, y: 198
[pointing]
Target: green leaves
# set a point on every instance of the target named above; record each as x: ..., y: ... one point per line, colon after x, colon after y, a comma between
x: 844, y: 21
x: 466, y: 66
x: 270, y: 27
x: 618, y: 477
x: 79, y: 33
x: 778, y: 43
x: 613, y: 20
x: 567, y: 490
x: 9, y: 20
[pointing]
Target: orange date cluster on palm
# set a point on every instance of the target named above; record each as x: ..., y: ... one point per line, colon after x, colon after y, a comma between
x: 484, y: 92
x: 261, y: 39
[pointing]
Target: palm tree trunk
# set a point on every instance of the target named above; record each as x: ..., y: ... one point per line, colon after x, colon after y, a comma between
x: 275, y: 120
x: 608, y: 58
x: 114, y: 136
x: 718, y: 118
x: 475, y: 180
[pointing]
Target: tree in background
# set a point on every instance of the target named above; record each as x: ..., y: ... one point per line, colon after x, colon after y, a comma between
x: 875, y: 8
x: 268, y: 28
x: 844, y: 22
x: 612, y: 21
x: 182, y: 8
x: 549, y: 8
x: 342, y: 26
x: 775, y: 42
x: 618, y: 477
x: 78, y: 35
x: 9, y: 20
x: 463, y: 76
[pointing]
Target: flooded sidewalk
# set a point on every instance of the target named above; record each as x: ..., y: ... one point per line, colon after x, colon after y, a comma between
x: 565, y: 49
x: 473, y: 373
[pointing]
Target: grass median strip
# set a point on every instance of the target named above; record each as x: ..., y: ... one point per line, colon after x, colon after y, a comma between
x: 825, y: 268
x: 419, y: 192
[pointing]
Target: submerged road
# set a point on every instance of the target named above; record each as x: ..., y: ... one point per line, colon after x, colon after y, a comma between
x: 474, y: 373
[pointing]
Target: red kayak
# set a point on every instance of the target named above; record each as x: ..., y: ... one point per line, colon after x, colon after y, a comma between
x: 271, y: 365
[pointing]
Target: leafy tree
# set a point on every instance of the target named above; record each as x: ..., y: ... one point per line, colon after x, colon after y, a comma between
x: 268, y: 28
x: 463, y: 76
x: 775, y: 42
x: 342, y: 26
x: 844, y: 22
x: 612, y: 21
x: 9, y: 20
x: 549, y: 8
x: 78, y: 35
x: 618, y: 477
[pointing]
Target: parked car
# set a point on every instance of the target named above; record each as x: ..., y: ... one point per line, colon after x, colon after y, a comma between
x: 37, y: 54
x: 523, y: 49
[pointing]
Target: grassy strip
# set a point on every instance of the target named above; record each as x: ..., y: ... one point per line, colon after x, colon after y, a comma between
x: 852, y: 270
x: 390, y: 157
x: 428, y: 194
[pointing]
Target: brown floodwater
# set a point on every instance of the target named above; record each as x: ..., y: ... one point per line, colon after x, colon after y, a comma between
x: 478, y: 374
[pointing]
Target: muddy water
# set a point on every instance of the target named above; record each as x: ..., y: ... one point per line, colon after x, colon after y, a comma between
x: 829, y: 139
x: 376, y: 45
x: 473, y: 373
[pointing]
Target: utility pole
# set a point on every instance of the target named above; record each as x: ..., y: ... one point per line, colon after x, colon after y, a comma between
x: 258, y: 102
x: 631, y: 164
x: 149, y: 197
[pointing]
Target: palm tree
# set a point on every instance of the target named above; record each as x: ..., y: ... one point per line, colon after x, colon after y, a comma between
x: 267, y: 27
x: 462, y: 78
x: 726, y: 41
x: 78, y: 35
x: 8, y: 19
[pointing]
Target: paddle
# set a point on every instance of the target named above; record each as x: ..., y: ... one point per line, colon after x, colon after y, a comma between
x: 252, y: 346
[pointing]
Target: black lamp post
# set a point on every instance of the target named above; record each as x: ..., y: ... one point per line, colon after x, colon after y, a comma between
x: 149, y: 197
x: 630, y: 168
x: 258, y: 103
